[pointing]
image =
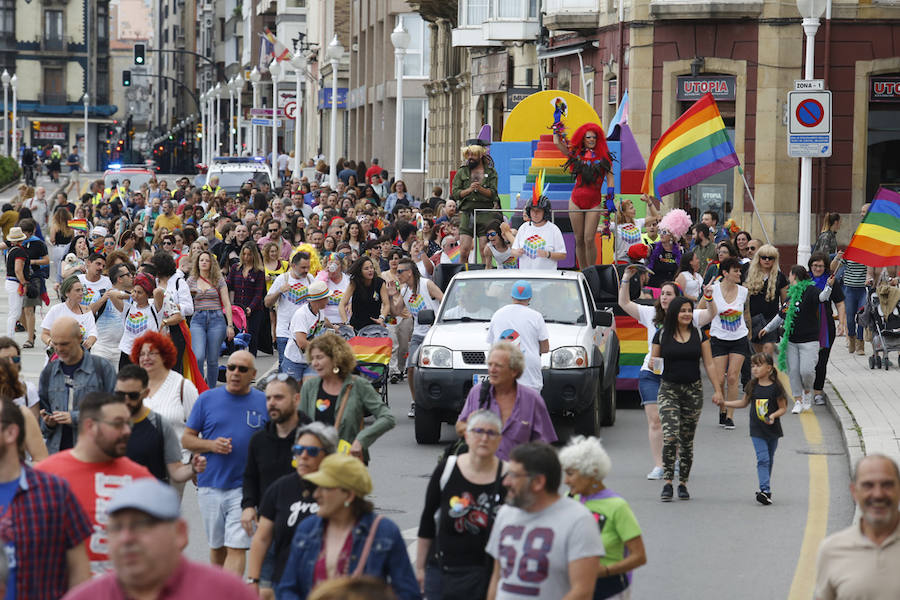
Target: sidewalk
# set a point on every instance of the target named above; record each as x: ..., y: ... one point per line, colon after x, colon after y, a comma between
x: 866, y: 402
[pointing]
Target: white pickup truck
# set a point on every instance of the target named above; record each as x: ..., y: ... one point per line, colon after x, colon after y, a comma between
x: 579, y: 371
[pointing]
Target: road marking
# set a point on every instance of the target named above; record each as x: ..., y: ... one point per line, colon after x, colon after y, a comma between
x: 803, y: 585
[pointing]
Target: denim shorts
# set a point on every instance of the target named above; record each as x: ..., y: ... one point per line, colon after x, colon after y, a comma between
x: 221, y: 512
x: 414, y: 344
x: 648, y: 386
x: 297, y: 370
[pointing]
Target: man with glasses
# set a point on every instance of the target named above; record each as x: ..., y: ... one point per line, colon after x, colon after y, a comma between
x: 273, y: 234
x: 153, y: 442
x: 227, y: 417
x: 544, y: 545
x: 66, y: 382
x: 147, y: 536
x: 48, y: 526
x: 269, y: 455
x: 97, y: 466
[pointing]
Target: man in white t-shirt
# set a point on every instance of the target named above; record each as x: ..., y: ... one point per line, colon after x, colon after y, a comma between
x: 524, y: 327
x: 94, y: 281
x: 307, y: 323
x: 539, y: 244
x: 544, y: 545
x: 289, y: 292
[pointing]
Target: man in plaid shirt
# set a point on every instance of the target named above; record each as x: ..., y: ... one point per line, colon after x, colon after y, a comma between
x: 43, y: 528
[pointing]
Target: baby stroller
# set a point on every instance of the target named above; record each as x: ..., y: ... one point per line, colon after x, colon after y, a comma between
x: 241, y: 339
x: 881, y: 314
x: 372, y: 347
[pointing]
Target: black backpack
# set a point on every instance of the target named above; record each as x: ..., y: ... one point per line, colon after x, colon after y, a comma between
x: 460, y: 446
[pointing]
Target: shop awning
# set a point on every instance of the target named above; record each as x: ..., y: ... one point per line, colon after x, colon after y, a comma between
x: 97, y: 110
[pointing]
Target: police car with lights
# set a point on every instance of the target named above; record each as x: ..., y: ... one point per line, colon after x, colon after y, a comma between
x: 234, y: 171
x: 579, y: 372
x: 137, y: 175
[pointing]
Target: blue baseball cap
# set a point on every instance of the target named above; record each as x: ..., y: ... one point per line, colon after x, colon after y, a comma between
x: 521, y: 290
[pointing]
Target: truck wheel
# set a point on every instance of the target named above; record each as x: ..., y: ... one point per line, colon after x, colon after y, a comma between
x: 588, y: 422
x: 428, y: 426
x: 607, y: 402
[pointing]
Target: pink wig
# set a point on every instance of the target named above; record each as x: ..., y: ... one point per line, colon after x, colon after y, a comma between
x: 676, y: 222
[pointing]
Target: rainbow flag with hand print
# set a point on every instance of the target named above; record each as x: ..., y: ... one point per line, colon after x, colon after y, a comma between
x: 453, y: 255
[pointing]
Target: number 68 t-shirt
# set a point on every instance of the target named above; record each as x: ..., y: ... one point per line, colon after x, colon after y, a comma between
x: 534, y: 549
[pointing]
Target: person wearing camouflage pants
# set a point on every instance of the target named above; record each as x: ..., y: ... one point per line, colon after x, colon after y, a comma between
x: 679, y: 411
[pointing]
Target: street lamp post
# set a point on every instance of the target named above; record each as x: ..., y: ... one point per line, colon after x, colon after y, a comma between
x: 334, y: 52
x: 87, y: 153
x: 237, y: 84
x: 204, y: 127
x: 5, y: 79
x: 255, y: 77
x: 230, y: 86
x: 275, y: 70
x: 811, y: 11
x: 14, y: 81
x: 299, y: 64
x: 400, y: 40
x: 217, y: 95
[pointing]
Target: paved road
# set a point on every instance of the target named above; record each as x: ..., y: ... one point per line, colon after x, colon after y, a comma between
x: 720, y: 540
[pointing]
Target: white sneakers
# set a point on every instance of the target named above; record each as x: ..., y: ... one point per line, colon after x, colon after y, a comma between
x: 802, y: 405
x: 656, y: 473
x: 798, y: 407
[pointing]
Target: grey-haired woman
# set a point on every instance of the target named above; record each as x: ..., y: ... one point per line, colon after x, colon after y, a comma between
x: 287, y: 502
x: 461, y: 502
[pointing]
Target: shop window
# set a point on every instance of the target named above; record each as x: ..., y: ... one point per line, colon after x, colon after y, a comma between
x: 716, y: 192
x: 414, y: 114
x: 882, y: 166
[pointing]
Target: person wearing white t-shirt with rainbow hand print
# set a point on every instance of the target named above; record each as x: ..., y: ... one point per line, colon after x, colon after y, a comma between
x: 539, y: 243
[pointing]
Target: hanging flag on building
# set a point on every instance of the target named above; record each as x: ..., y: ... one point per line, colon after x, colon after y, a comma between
x: 266, y: 52
x: 695, y: 147
x: 876, y: 242
x: 279, y: 50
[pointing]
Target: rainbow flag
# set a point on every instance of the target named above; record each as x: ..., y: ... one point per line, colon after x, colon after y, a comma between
x: 453, y: 255
x: 79, y: 224
x: 632, y: 349
x: 695, y: 147
x: 371, y: 350
x: 279, y: 51
x: 876, y: 242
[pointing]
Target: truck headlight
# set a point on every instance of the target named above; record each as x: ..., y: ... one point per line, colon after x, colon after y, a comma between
x: 437, y: 357
x: 569, y: 357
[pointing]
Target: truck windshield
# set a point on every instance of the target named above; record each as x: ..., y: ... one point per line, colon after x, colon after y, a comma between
x: 478, y: 299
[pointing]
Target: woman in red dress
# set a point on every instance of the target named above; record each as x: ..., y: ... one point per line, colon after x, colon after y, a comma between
x: 591, y: 163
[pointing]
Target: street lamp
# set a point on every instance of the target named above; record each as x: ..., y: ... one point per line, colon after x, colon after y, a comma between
x: 237, y: 84
x: 86, y: 99
x: 14, y: 81
x: 275, y: 70
x: 5, y: 79
x: 811, y: 11
x: 299, y: 64
x: 230, y: 87
x: 217, y: 95
x: 255, y: 77
x: 203, y: 128
x: 334, y: 53
x: 400, y: 40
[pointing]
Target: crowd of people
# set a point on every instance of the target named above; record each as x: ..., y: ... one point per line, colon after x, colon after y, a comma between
x: 155, y: 285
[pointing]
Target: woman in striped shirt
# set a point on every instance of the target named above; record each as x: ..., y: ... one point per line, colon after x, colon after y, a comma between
x: 854, y: 279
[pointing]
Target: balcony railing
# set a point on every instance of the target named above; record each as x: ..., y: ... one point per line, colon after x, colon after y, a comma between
x: 572, y: 14
x: 53, y: 98
x: 54, y: 43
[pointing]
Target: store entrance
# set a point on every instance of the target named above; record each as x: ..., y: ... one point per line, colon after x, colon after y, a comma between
x: 883, y: 156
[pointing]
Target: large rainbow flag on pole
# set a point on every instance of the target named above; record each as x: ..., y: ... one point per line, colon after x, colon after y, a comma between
x: 693, y: 148
x: 876, y: 242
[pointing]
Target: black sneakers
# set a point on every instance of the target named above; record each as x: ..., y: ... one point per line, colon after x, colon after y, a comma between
x: 682, y: 492
x: 729, y: 423
x: 722, y: 418
x: 764, y: 498
x: 666, y: 495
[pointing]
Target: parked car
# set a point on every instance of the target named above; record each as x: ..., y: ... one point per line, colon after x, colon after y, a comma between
x: 579, y: 372
x: 234, y: 171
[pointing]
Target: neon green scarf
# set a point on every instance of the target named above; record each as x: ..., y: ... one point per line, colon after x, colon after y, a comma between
x: 794, y: 295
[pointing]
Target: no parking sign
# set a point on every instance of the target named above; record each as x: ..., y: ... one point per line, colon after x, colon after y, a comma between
x: 809, y: 124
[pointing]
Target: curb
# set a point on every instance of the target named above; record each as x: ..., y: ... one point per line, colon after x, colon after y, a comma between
x: 850, y: 431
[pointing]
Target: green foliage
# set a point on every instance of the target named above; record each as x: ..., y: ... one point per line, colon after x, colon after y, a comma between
x: 9, y: 170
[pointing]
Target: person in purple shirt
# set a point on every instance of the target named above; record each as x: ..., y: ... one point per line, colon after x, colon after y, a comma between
x: 146, y: 536
x: 522, y: 410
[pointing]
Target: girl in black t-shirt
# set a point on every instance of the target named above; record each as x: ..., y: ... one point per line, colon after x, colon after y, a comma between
x: 681, y: 347
x: 769, y: 404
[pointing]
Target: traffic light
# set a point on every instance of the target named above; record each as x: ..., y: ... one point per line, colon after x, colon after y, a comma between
x: 139, y: 52
x: 126, y: 78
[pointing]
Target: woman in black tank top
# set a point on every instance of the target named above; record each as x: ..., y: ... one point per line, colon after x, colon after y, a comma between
x: 367, y: 293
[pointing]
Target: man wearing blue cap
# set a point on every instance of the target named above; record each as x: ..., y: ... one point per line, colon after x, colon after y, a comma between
x: 524, y: 327
x: 146, y: 536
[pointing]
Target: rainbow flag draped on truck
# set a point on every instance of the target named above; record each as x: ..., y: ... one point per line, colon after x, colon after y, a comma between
x: 695, y: 147
x: 876, y: 242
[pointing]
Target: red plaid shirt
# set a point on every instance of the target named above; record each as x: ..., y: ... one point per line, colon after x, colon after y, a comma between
x: 44, y: 521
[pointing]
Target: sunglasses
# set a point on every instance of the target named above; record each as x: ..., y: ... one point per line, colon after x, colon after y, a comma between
x: 403, y: 270
x: 240, y: 368
x: 761, y: 257
x: 311, y: 451
x: 282, y: 377
x: 492, y: 234
x: 273, y: 231
x: 491, y: 433
x: 15, y: 359
x: 129, y: 395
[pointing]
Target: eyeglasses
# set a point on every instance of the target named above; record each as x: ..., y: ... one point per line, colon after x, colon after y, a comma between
x: 167, y: 243
x: 403, y: 270
x: 273, y: 231
x: 240, y: 368
x: 116, y: 424
x: 492, y: 234
x: 311, y: 451
x: 490, y: 433
x: 761, y: 257
x: 282, y: 377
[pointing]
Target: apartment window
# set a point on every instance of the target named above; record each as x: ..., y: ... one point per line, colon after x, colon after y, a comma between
x: 414, y: 112
x: 54, y: 90
x: 102, y: 81
x: 472, y: 13
x: 7, y: 17
x: 102, y: 23
x: 53, y: 32
x: 417, y: 62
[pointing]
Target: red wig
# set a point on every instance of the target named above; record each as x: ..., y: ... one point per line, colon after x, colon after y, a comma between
x: 601, y: 149
x: 158, y: 342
